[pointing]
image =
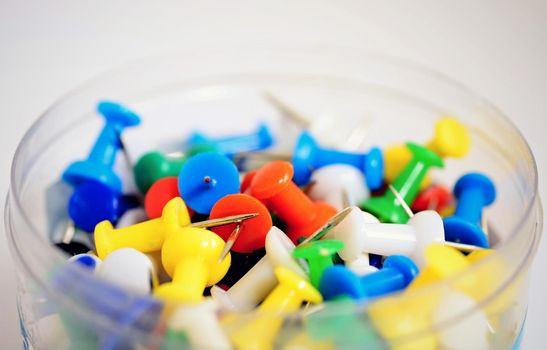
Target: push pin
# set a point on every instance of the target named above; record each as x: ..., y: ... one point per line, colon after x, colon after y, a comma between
x: 190, y: 257
x: 340, y: 185
x: 319, y: 255
x: 154, y: 166
x: 98, y: 165
x: 129, y: 269
x: 272, y: 185
x: 252, y: 234
x: 396, y: 275
x: 435, y: 197
x: 387, y: 208
x: 200, y: 324
x: 88, y: 261
x: 93, y: 202
x: 160, y: 194
x: 206, y: 178
x: 255, y: 285
x: 451, y: 139
x: 287, y: 296
x: 309, y: 156
x: 149, y: 236
x: 474, y: 192
x: 260, y: 139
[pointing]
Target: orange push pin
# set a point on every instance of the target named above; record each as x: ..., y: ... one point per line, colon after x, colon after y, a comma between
x: 191, y: 257
x: 272, y: 185
x: 252, y: 234
x: 287, y: 297
x: 145, y: 237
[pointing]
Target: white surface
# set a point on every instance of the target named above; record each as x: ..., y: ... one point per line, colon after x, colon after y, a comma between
x: 496, y: 47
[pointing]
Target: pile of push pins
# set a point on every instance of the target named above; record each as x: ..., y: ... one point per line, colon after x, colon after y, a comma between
x: 213, y: 254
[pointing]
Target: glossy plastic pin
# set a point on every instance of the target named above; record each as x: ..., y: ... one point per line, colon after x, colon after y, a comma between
x: 98, y: 166
x: 255, y: 285
x: 272, y: 185
x: 309, y: 156
x: 252, y: 235
x: 205, y: 178
x: 287, y: 296
x: 474, y: 192
x: 160, y: 194
x: 333, y: 183
x: 451, y: 139
x: 435, y: 197
x: 154, y: 166
x: 88, y: 261
x: 396, y: 275
x: 145, y: 237
x: 387, y: 208
x: 93, y: 202
x: 319, y: 255
x: 190, y: 257
x: 260, y: 139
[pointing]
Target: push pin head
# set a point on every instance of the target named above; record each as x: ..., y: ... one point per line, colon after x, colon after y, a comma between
x: 191, y: 257
x: 93, y: 202
x: 205, y: 178
x: 154, y: 166
x: 451, y: 138
x: 159, y: 195
x: 98, y: 165
x: 319, y: 256
x: 253, y: 231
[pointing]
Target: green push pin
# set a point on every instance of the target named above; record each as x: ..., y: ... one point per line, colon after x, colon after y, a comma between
x: 343, y: 322
x: 388, y: 207
x: 154, y: 166
x: 319, y: 256
x: 175, y: 340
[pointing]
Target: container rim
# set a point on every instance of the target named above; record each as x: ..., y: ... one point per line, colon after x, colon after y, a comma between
x: 14, y: 194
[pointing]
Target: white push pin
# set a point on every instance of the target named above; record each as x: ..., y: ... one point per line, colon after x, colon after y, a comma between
x: 332, y: 182
x: 260, y: 280
x: 132, y: 217
x: 129, y: 269
x: 200, y: 324
x: 472, y: 334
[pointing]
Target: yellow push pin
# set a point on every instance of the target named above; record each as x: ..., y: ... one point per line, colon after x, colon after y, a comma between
x: 287, y: 297
x: 145, y: 237
x: 451, y: 139
x: 190, y: 257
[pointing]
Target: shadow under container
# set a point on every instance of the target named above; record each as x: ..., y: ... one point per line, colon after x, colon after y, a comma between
x: 222, y: 92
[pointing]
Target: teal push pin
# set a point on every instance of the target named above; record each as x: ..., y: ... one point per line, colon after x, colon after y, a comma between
x: 319, y: 255
x: 260, y: 139
x: 154, y: 166
x: 388, y: 207
x: 99, y: 163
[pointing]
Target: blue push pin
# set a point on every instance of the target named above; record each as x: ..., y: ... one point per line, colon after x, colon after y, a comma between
x: 260, y: 139
x: 99, y: 163
x: 205, y: 178
x: 474, y: 191
x: 309, y: 156
x: 397, y: 273
x: 93, y: 202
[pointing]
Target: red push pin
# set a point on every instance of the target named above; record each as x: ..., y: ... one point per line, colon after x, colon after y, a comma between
x: 435, y: 197
x: 246, y: 182
x: 272, y: 184
x: 161, y: 192
x: 252, y: 232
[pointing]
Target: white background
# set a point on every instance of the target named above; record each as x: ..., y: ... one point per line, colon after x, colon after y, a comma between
x: 496, y: 47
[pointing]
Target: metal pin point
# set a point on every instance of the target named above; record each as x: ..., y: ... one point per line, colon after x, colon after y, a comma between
x: 233, y: 219
x: 69, y: 233
x: 484, y: 225
x: 466, y: 248
x: 333, y: 222
x: 230, y: 242
x: 401, y: 201
x: 287, y: 111
x: 345, y: 199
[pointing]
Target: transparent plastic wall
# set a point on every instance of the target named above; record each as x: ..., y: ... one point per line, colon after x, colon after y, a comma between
x: 387, y: 101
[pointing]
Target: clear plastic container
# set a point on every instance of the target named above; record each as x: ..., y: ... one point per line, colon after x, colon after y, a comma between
x: 220, y: 92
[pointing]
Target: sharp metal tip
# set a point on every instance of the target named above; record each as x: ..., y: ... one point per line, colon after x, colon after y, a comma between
x: 345, y: 199
x: 233, y: 219
x: 401, y: 201
x: 333, y: 222
x: 230, y: 242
